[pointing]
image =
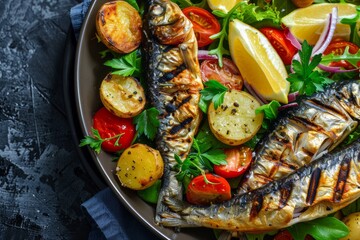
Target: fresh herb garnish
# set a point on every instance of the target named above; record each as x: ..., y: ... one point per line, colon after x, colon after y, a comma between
x: 188, y: 3
x: 126, y: 65
x: 134, y: 4
x: 197, y: 162
x: 329, y: 228
x: 147, y: 123
x: 96, y: 141
x: 352, y: 22
x: 214, y: 92
x: 353, y: 59
x: 305, y: 79
x: 270, y: 112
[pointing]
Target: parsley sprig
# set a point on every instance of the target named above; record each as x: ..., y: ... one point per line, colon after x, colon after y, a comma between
x: 306, y: 79
x: 213, y: 92
x: 197, y: 162
x: 126, y: 65
x: 96, y: 141
x: 147, y: 123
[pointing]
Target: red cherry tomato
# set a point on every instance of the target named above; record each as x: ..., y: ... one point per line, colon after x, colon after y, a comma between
x: 337, y: 47
x: 110, y: 125
x: 285, y: 235
x: 238, y: 160
x: 228, y: 75
x: 201, y: 193
x: 280, y: 43
x: 204, y: 23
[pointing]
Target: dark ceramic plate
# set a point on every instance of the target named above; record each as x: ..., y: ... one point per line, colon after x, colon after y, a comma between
x: 89, y: 72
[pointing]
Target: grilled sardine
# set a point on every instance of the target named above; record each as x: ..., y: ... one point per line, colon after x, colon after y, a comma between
x: 173, y: 77
x: 323, y: 187
x: 318, y: 125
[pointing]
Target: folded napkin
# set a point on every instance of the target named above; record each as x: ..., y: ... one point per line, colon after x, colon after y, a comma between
x: 109, y: 218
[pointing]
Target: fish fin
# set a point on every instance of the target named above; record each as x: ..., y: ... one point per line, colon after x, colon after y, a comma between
x: 174, y: 204
x: 171, y: 219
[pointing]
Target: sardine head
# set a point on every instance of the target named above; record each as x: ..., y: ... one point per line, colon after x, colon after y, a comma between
x: 167, y: 22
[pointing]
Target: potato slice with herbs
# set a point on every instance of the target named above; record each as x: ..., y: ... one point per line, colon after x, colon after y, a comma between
x: 123, y: 96
x: 119, y: 26
x: 139, y: 167
x: 234, y: 121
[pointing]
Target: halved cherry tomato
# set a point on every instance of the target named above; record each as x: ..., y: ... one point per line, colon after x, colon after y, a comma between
x: 204, y: 23
x: 280, y: 43
x: 201, y: 193
x: 228, y: 75
x: 337, y: 47
x: 109, y: 126
x: 238, y: 160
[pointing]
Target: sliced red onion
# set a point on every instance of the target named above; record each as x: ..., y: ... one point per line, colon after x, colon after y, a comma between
x: 292, y: 96
x: 286, y: 106
x: 336, y: 69
x: 327, y: 34
x: 255, y: 94
x: 292, y: 38
x: 204, y: 55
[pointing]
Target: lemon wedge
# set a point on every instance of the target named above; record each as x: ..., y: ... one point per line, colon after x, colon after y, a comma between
x: 307, y: 23
x: 258, y: 61
x: 223, y: 5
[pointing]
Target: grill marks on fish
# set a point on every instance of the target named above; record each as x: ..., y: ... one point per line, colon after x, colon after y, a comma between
x: 324, y: 186
x: 173, y: 77
x: 318, y: 125
x: 313, y: 186
x: 342, y: 178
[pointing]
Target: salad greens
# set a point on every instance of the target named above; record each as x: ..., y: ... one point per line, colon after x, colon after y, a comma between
x: 353, y: 59
x: 329, y: 228
x: 248, y: 13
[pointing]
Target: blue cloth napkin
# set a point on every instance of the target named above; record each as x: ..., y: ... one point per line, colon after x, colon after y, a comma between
x: 110, y: 219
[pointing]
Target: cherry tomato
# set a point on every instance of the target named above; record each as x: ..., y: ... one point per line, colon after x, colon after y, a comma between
x: 204, y: 23
x: 201, y: 193
x: 228, y: 75
x: 285, y: 235
x: 110, y: 125
x: 337, y: 47
x: 280, y: 43
x: 238, y: 160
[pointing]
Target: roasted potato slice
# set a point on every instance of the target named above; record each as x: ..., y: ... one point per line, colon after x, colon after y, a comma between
x: 123, y: 96
x: 119, y: 26
x: 139, y: 167
x: 235, y: 121
x: 352, y: 221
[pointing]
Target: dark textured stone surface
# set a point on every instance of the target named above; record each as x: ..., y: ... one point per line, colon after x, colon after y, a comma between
x: 42, y: 182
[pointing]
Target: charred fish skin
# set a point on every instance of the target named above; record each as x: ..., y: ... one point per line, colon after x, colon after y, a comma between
x: 319, y: 124
x: 321, y: 188
x: 173, y: 78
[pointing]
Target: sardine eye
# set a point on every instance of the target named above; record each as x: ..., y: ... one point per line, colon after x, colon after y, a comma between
x: 157, y: 10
